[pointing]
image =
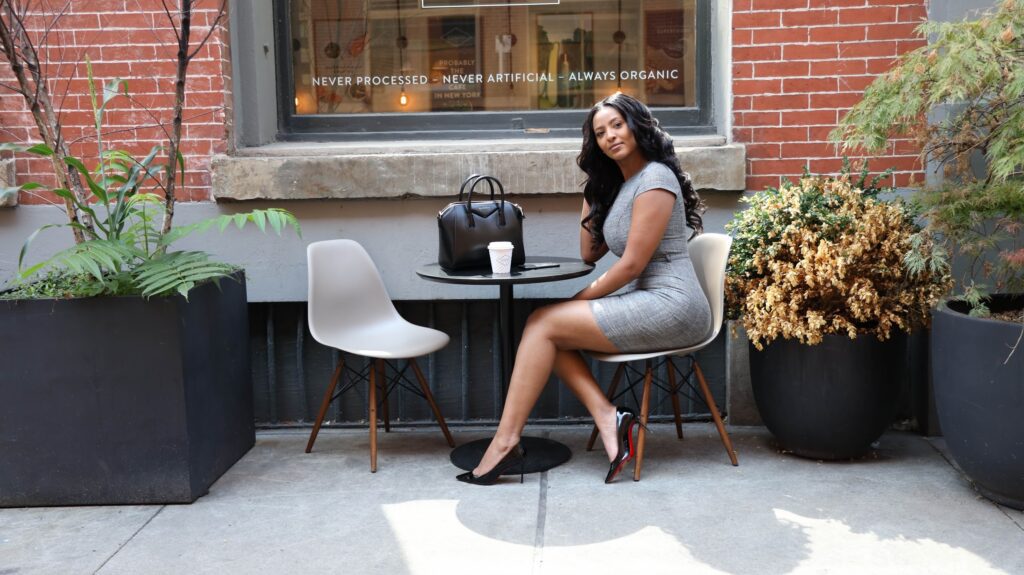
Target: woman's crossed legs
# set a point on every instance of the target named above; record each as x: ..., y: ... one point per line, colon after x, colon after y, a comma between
x: 551, y: 340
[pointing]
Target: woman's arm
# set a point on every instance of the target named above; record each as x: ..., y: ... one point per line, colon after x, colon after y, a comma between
x: 588, y: 251
x: 651, y: 214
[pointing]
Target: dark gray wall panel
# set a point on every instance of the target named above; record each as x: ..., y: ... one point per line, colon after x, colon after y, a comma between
x: 291, y: 371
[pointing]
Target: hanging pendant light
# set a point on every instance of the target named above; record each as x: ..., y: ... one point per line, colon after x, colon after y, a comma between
x: 402, y: 43
x: 619, y: 37
x: 511, y: 39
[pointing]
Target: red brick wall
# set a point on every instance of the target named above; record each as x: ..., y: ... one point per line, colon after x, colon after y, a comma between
x: 132, y: 40
x: 798, y: 65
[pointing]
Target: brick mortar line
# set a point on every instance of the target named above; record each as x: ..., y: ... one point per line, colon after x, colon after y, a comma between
x: 770, y: 111
x: 796, y: 28
x: 784, y: 60
x: 821, y: 43
x: 155, y: 59
x: 804, y: 60
x: 798, y: 93
x: 799, y: 11
x: 833, y: 10
x: 836, y: 59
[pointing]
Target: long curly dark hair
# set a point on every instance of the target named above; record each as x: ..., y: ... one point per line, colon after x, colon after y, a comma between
x: 604, y: 178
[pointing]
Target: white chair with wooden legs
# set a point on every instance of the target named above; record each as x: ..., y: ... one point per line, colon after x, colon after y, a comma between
x: 350, y: 310
x: 709, y: 253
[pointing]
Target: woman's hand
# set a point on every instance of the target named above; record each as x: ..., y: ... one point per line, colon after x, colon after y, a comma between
x: 651, y: 214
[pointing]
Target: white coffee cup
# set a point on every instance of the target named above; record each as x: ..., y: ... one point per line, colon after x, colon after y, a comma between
x: 501, y: 257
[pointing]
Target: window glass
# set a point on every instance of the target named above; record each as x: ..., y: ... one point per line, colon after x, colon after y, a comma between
x: 379, y: 56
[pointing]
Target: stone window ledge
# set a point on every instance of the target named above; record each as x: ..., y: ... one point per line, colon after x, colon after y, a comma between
x: 296, y: 171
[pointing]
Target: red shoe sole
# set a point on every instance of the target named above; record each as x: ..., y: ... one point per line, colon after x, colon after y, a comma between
x: 628, y: 458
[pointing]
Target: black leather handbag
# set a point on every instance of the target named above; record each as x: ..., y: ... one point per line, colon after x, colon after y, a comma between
x: 466, y: 227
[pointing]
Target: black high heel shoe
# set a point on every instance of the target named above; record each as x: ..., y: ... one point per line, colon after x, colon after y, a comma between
x: 516, y: 456
x: 625, y: 418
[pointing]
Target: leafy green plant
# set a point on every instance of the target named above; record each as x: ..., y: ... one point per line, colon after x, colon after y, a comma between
x: 55, y: 284
x: 119, y: 211
x: 974, y: 71
x: 124, y: 252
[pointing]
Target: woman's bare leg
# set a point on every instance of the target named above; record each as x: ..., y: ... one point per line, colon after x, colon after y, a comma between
x: 563, y: 326
x: 573, y: 370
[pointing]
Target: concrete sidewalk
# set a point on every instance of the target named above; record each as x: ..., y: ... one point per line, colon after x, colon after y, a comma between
x: 904, y: 510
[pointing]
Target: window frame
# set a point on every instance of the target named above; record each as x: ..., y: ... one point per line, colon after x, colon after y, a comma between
x: 679, y: 121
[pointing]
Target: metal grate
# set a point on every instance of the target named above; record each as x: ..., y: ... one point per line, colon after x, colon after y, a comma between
x: 291, y: 370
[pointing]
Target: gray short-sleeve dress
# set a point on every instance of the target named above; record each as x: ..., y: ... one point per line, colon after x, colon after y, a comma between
x: 664, y: 308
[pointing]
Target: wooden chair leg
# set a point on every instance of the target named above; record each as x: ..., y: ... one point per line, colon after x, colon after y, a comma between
x: 674, y: 393
x: 433, y: 404
x: 611, y: 393
x: 326, y: 402
x: 714, y: 413
x: 373, y: 420
x: 382, y: 381
x: 645, y: 404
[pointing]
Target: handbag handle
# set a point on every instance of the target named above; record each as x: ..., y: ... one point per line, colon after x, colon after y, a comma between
x: 476, y: 179
x: 473, y: 178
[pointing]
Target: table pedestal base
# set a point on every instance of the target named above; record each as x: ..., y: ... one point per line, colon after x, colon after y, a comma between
x: 541, y: 454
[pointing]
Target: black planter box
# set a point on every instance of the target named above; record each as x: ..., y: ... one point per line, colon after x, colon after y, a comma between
x: 120, y: 400
x: 978, y: 373
x: 831, y: 400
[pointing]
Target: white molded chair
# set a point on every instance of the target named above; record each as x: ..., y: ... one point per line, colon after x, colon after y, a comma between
x: 710, y: 254
x: 349, y: 309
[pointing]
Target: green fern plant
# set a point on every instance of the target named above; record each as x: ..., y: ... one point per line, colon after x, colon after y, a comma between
x: 124, y: 251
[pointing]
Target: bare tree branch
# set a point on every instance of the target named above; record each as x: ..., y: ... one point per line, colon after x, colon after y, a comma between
x: 52, y: 24
x: 12, y: 88
x: 156, y: 124
x: 46, y: 199
x: 170, y: 19
x: 213, y: 26
x: 185, y: 15
x: 33, y: 84
x: 185, y: 20
x: 21, y: 55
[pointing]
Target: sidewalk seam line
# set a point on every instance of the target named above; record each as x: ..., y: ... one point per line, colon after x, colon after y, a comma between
x: 127, y: 541
x: 970, y: 484
x: 542, y: 513
x: 1008, y: 516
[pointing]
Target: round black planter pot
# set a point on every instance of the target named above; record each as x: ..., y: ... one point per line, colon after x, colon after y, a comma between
x: 831, y: 400
x: 979, y: 396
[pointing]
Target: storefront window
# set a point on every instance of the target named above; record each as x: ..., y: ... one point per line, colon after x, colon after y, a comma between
x: 360, y: 58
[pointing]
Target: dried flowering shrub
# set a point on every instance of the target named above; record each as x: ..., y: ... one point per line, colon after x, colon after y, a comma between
x: 821, y: 256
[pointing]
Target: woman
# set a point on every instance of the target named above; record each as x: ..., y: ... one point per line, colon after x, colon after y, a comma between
x: 634, y: 188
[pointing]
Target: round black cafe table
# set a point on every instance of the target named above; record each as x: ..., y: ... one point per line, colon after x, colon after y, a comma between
x: 541, y: 453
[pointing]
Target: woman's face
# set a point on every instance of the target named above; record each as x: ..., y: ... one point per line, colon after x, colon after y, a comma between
x: 613, y: 134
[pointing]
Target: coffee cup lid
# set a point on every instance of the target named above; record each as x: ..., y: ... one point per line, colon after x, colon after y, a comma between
x: 500, y: 245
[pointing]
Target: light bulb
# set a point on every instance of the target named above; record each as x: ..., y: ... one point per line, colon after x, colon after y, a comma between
x: 403, y: 99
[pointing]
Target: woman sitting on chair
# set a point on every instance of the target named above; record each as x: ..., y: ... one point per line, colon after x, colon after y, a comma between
x: 636, y: 189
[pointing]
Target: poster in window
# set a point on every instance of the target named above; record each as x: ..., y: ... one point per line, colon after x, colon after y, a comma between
x: 456, y: 81
x: 340, y: 52
x: 565, y: 53
x: 665, y: 51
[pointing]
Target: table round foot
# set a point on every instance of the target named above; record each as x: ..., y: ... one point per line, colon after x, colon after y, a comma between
x: 541, y: 454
